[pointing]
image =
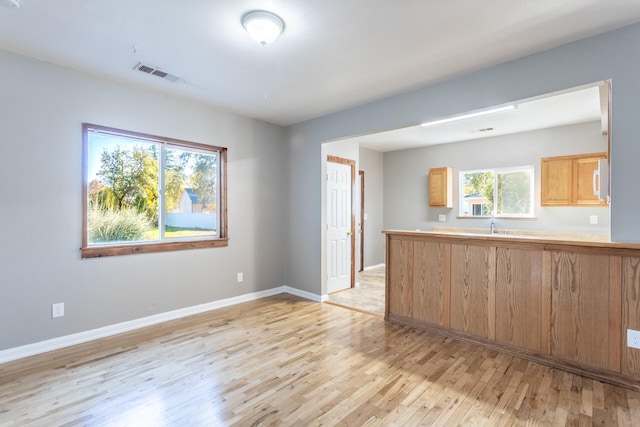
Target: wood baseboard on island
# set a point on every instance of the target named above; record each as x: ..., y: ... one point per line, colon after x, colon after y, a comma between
x: 544, y: 359
x: 565, y: 304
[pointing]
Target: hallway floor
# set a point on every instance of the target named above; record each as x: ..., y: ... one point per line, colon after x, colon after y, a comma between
x: 368, y: 297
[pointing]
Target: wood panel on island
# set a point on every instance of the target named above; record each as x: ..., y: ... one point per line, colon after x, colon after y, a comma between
x: 567, y: 304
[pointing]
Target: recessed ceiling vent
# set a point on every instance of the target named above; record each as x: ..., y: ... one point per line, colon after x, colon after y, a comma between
x: 156, y: 72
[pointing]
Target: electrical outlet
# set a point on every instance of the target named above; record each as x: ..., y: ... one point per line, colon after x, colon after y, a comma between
x: 57, y: 310
x: 593, y: 219
x: 442, y: 217
x: 240, y: 277
x: 633, y: 338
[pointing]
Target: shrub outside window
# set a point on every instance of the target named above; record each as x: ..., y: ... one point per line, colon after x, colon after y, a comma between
x: 144, y: 193
x: 506, y: 192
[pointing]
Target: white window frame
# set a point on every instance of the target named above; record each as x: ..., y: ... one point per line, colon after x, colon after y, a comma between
x: 496, y: 172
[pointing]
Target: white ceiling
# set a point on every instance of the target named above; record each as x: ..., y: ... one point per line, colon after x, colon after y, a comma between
x: 569, y: 107
x: 333, y: 54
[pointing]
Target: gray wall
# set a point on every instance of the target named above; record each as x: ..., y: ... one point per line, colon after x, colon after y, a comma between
x: 406, y: 179
x: 346, y: 150
x: 607, y: 56
x: 372, y: 163
x: 42, y: 107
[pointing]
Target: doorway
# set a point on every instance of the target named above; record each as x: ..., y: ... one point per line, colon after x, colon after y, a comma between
x: 341, y: 242
x: 366, y: 293
x: 360, y: 235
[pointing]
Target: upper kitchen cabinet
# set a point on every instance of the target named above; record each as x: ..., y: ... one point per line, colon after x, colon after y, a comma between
x: 440, y: 187
x: 572, y: 180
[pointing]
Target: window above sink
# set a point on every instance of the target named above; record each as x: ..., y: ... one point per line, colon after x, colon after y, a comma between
x: 501, y: 192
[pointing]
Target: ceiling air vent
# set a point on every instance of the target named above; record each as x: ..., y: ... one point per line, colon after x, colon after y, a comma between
x: 156, y: 72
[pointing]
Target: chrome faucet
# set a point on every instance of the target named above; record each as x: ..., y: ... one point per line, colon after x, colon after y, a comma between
x: 493, y: 228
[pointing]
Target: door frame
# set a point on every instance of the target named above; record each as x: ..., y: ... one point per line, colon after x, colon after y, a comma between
x: 361, y: 230
x: 352, y: 164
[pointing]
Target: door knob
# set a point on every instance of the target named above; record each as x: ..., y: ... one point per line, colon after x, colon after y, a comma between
x: 349, y: 233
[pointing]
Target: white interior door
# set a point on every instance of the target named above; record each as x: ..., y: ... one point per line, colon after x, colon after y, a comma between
x: 338, y: 226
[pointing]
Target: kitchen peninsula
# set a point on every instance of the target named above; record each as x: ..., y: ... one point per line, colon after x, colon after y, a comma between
x: 565, y: 303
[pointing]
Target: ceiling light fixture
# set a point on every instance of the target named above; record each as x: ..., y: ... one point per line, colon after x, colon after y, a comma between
x: 14, y: 4
x: 264, y: 27
x: 469, y: 115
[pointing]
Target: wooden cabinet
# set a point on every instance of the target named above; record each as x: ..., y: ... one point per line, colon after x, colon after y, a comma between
x: 399, y: 281
x: 522, y: 300
x: 431, y: 269
x: 441, y: 187
x: 556, y: 182
x: 568, y: 304
x: 583, y: 180
x: 585, y: 308
x: 418, y: 280
x: 568, y: 180
x: 630, y: 313
x: 472, y: 289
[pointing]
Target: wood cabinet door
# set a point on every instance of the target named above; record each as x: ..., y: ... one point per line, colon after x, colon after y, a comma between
x: 521, y: 301
x: 583, y: 314
x: 630, y: 313
x: 583, y: 170
x: 473, y: 289
x: 440, y: 187
x: 431, y: 272
x: 555, y: 182
x: 400, y: 277
x: 568, y: 180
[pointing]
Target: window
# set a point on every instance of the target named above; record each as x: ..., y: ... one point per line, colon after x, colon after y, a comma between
x: 144, y: 193
x: 502, y: 192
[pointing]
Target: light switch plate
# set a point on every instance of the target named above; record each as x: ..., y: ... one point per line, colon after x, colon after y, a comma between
x: 593, y: 219
x: 57, y: 310
x: 633, y: 338
x: 442, y: 217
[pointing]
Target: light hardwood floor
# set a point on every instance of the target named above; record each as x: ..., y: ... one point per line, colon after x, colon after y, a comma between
x: 286, y: 361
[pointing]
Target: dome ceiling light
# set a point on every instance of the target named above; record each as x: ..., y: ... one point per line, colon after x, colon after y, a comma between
x: 264, y: 27
x: 10, y: 3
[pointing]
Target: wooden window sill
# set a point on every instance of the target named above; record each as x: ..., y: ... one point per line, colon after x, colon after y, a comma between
x: 146, y: 248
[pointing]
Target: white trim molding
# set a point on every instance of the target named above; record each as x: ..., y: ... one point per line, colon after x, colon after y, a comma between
x: 371, y: 267
x: 118, y: 328
x: 304, y: 294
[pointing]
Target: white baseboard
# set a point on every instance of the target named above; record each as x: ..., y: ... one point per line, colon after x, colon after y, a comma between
x: 303, y: 294
x: 118, y: 328
x: 371, y: 267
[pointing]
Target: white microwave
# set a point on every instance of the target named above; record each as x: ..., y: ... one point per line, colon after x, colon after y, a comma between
x: 601, y: 180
